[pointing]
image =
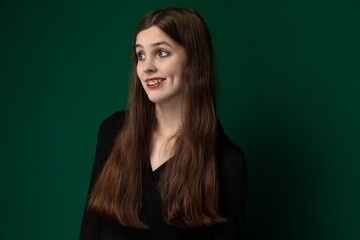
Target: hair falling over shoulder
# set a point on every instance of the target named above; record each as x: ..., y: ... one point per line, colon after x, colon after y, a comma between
x: 188, y: 185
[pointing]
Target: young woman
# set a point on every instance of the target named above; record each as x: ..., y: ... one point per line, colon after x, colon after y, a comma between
x: 164, y: 169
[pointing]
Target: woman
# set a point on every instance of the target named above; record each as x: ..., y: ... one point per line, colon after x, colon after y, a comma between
x: 164, y: 169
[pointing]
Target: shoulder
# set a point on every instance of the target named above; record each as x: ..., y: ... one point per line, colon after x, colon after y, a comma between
x: 115, y: 120
x: 112, y: 124
x: 231, y: 165
x: 232, y: 175
x: 230, y: 157
x: 108, y: 131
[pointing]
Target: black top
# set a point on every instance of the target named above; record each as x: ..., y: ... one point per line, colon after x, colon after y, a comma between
x: 232, y: 193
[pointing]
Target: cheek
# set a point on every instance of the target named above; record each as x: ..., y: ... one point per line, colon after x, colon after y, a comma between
x: 175, y: 68
x: 138, y: 71
x: 181, y: 66
x: 181, y: 70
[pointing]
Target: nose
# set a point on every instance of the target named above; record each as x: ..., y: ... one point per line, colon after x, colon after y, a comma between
x: 149, y: 65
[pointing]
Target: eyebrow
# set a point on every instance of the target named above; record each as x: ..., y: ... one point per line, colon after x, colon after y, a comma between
x: 155, y: 44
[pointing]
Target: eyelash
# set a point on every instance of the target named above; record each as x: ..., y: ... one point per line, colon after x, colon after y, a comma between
x: 166, y: 53
x: 161, y: 53
x: 140, y: 56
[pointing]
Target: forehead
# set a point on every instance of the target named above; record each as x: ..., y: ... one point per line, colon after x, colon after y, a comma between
x: 153, y: 35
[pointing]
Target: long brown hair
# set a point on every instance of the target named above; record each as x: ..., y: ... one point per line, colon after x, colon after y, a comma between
x: 188, y: 185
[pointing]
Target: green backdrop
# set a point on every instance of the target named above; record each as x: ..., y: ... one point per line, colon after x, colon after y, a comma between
x: 289, y: 75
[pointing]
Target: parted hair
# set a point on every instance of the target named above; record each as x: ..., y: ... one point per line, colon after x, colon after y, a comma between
x: 188, y: 185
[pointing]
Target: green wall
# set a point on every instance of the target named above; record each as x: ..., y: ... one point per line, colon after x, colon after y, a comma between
x: 289, y: 73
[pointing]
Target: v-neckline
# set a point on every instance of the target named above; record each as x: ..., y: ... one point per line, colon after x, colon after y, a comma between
x: 159, y: 168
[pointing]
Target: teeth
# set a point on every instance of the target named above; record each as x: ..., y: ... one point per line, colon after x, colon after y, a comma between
x: 153, y: 82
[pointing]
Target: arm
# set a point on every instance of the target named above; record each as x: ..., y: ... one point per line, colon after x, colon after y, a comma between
x: 91, y: 222
x: 232, y: 176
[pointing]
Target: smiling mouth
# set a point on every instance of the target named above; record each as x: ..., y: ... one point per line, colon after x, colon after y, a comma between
x: 153, y: 83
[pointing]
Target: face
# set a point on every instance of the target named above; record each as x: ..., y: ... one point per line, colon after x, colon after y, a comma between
x: 160, y: 64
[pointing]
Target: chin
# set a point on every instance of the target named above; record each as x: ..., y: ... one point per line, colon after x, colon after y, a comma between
x: 154, y: 99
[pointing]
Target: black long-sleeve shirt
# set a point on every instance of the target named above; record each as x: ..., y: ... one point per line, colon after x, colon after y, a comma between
x: 232, y: 194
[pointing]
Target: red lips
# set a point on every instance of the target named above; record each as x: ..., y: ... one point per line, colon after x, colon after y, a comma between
x: 154, y: 82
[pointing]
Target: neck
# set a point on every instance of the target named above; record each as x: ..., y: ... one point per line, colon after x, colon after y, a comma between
x: 168, y: 119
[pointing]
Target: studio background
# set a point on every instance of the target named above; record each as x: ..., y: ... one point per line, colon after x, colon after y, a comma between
x: 289, y: 75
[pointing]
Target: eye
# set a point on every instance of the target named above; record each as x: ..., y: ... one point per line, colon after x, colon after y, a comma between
x: 140, y: 56
x: 163, y: 53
